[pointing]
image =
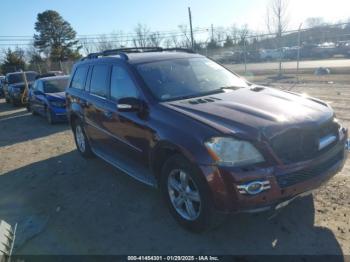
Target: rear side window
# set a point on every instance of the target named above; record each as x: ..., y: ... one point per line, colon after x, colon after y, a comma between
x: 122, y: 84
x: 79, y: 77
x: 99, y: 77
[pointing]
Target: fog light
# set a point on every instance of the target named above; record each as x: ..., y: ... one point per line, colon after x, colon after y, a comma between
x: 254, y: 188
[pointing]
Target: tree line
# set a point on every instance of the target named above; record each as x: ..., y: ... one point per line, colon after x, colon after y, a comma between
x: 56, y: 41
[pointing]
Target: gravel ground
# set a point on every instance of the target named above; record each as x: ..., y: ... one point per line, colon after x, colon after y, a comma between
x: 64, y: 204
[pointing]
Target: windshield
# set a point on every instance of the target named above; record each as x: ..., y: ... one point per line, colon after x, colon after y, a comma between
x: 189, y: 77
x: 18, y: 78
x: 55, y: 86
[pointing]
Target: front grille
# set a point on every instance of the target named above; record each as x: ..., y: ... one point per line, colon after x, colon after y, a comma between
x: 306, y: 174
x: 298, y: 144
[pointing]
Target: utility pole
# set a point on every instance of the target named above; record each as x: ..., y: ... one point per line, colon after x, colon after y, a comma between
x: 212, y: 32
x: 190, y: 17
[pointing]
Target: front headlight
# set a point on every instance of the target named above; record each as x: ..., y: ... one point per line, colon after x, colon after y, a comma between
x: 57, y: 104
x: 227, y: 151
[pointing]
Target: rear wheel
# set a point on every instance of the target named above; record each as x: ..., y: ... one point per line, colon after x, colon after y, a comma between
x: 81, y: 140
x: 186, y: 195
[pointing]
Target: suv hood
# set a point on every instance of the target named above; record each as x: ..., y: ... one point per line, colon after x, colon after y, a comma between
x: 255, y: 111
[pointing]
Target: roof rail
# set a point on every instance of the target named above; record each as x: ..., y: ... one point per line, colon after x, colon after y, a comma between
x: 180, y: 49
x: 122, y: 52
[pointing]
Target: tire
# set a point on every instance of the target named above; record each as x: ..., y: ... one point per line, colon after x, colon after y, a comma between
x: 81, y: 140
x: 28, y: 108
x: 13, y: 102
x: 49, y: 116
x: 31, y: 110
x: 202, y: 215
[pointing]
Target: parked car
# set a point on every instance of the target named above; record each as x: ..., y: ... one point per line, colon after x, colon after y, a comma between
x: 211, y: 141
x: 14, y: 86
x: 47, y: 98
x: 2, y: 80
x: 49, y: 74
x: 270, y: 54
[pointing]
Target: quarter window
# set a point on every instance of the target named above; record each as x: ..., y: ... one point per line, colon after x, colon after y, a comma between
x: 122, y: 84
x: 78, y: 80
x: 98, y: 85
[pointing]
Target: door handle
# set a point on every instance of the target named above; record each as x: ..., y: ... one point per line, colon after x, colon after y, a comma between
x: 108, y: 114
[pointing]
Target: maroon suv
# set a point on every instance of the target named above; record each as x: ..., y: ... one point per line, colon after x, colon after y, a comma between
x: 212, y: 142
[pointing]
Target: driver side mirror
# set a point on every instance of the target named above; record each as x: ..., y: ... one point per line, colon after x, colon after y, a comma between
x: 129, y: 104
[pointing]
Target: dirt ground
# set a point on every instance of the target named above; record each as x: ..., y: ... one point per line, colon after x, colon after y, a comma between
x: 64, y: 204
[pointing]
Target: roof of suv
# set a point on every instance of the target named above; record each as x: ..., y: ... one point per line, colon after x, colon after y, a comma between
x: 136, y: 58
x: 144, y: 57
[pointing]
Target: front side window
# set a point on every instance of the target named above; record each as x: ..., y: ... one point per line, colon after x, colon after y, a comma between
x: 78, y: 80
x: 122, y: 84
x: 99, y: 77
x: 188, y: 77
x: 40, y: 86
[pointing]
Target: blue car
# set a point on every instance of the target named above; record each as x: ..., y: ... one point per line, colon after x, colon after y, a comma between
x: 47, y: 98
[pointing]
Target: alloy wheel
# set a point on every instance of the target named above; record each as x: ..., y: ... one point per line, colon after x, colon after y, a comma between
x: 80, y: 138
x: 184, y: 194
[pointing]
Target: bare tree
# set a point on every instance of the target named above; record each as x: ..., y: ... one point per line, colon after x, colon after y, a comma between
x: 104, y: 43
x: 87, y: 46
x: 185, y: 40
x: 175, y: 41
x: 312, y: 22
x: 142, y: 33
x: 233, y: 31
x: 277, y: 23
x: 155, y: 39
x: 219, y: 35
x: 243, y: 33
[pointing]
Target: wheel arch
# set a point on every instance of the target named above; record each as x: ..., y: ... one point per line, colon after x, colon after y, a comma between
x: 163, y: 151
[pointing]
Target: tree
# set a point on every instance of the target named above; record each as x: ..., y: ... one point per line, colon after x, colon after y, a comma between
x: 312, y: 22
x: 277, y: 23
x: 228, y: 42
x: 13, y: 61
x: 142, y: 33
x: 55, y: 37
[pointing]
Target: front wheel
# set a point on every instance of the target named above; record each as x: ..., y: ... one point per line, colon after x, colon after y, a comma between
x: 187, y: 195
x: 49, y: 117
x: 81, y: 140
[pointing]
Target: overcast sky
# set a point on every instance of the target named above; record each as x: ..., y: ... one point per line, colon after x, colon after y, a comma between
x: 106, y: 16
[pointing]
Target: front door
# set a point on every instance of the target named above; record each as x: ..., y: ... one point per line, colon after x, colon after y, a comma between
x: 131, y: 135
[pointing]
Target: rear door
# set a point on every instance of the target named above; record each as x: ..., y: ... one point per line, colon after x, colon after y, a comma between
x: 96, y: 105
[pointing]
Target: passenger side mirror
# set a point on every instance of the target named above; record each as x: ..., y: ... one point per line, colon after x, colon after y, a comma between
x: 129, y: 104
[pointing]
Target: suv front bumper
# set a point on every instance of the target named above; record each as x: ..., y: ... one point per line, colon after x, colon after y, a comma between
x: 225, y: 183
